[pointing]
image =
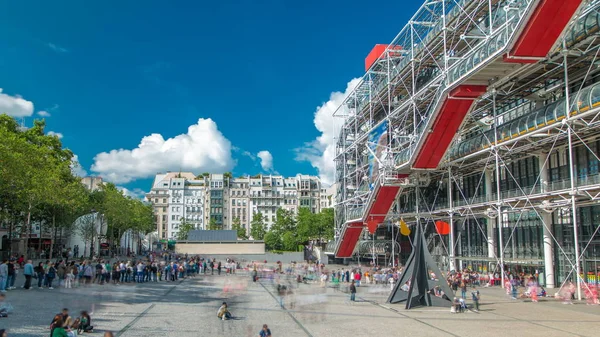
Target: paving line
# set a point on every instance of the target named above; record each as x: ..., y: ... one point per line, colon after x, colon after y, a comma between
x: 135, y: 320
x: 538, y: 324
x: 143, y: 313
x: 406, y: 316
x: 286, y: 311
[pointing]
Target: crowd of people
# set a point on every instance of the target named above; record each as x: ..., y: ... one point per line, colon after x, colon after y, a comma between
x: 170, y: 267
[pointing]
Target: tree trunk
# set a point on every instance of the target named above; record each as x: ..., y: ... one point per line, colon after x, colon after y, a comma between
x: 10, y: 230
x: 40, y: 239
x: 28, y: 232
x: 52, y: 238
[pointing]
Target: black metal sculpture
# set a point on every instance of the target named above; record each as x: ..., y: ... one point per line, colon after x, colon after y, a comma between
x: 421, y: 289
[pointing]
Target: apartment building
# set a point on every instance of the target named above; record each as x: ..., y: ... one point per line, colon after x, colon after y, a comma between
x: 309, y: 189
x: 219, y: 198
x: 176, y: 196
x: 92, y: 183
x: 239, y: 206
x: 327, y: 197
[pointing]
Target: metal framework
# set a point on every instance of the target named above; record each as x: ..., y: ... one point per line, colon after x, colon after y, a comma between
x: 468, y: 91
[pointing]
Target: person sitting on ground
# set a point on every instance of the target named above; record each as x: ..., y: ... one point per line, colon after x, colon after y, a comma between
x: 3, y: 333
x: 67, y: 320
x: 223, y: 312
x: 56, y: 319
x: 5, y: 307
x: 265, y: 332
x: 85, y: 323
x: 58, y: 329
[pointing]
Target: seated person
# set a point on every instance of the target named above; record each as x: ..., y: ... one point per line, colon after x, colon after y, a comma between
x: 265, y: 332
x: 85, y: 323
x: 223, y: 312
x: 57, y: 329
x: 67, y: 321
x: 455, y: 305
x: 5, y: 307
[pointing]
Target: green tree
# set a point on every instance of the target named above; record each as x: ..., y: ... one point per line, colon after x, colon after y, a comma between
x: 213, y: 225
x: 237, y: 226
x: 306, y: 225
x: 34, y: 170
x: 258, y: 228
x: 37, y: 184
x: 184, y: 230
x: 326, y: 225
x: 87, y: 230
x: 283, y: 234
x: 273, y: 241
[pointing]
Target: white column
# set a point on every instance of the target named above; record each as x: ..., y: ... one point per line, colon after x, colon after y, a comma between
x: 547, y: 224
x: 489, y: 189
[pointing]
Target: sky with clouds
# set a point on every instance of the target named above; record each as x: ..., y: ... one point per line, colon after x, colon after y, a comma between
x: 242, y: 86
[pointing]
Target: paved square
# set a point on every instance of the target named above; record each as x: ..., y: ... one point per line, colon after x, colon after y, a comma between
x: 188, y: 308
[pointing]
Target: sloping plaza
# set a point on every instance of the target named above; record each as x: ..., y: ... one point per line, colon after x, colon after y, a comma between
x: 188, y: 308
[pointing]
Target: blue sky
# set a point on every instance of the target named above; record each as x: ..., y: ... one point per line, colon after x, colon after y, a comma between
x: 250, y: 75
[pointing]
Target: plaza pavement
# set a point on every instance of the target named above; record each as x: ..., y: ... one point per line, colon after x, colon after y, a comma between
x: 188, y: 308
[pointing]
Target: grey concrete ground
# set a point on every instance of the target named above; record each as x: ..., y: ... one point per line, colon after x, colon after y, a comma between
x: 188, y: 308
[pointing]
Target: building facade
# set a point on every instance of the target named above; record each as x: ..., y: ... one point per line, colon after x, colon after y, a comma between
x: 327, y: 196
x: 239, y: 207
x: 220, y: 199
x: 478, y: 132
x: 175, y: 197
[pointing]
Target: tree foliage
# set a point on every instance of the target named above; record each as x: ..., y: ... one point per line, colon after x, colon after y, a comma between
x: 236, y: 225
x: 257, y: 227
x: 37, y: 185
x: 213, y: 225
x: 290, y: 231
x: 184, y: 230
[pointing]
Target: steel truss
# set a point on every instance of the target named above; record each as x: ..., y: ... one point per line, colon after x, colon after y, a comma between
x: 529, y: 110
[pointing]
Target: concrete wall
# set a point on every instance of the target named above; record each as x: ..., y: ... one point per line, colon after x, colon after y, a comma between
x: 237, y: 251
x: 220, y: 248
x: 286, y: 257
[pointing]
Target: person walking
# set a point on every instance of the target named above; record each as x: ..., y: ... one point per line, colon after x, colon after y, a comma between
x: 265, y: 331
x: 475, y: 296
x: 352, y: 292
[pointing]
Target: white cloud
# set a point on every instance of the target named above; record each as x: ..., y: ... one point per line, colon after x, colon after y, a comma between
x: 266, y: 160
x: 321, y: 151
x: 76, y: 168
x: 136, y: 193
x: 57, y: 134
x: 249, y: 155
x: 203, y: 149
x: 43, y: 113
x: 57, y: 48
x: 15, y: 106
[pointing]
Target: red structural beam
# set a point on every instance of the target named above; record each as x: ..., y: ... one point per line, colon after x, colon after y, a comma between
x: 386, y: 195
x: 451, y: 115
x: 377, y: 52
x: 542, y: 30
x: 349, y: 239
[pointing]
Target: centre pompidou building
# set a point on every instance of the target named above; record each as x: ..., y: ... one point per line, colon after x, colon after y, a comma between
x: 484, y: 115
